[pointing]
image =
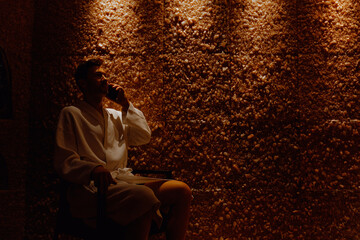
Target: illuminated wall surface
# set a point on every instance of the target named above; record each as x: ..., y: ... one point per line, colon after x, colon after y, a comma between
x: 253, y: 103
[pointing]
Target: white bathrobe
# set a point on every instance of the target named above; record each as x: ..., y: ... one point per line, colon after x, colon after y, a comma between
x: 86, y: 139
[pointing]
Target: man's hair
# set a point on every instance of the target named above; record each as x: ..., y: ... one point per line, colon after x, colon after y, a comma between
x: 83, y: 69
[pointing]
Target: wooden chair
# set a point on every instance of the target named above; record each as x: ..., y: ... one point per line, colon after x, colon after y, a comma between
x: 105, y: 227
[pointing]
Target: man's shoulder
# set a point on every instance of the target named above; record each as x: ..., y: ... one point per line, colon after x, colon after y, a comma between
x: 72, y: 110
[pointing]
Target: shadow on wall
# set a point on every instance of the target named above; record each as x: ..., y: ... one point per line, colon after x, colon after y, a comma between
x: 4, y: 181
x: 5, y: 87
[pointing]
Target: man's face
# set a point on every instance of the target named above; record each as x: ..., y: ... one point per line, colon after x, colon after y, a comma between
x: 96, y: 82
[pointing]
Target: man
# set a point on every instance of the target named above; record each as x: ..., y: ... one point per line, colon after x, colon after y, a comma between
x: 92, y: 142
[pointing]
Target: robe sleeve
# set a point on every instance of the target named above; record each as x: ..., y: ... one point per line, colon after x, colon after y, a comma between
x: 136, y: 128
x: 67, y: 161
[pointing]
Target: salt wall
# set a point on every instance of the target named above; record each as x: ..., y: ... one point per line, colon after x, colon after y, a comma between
x: 253, y: 103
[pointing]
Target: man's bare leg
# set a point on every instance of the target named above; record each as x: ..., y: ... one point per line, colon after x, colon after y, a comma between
x: 176, y: 196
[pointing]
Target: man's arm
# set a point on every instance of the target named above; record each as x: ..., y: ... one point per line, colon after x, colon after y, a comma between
x: 67, y: 161
x: 136, y: 128
x: 102, y: 178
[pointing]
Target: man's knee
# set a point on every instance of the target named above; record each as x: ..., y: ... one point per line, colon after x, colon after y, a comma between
x: 179, y: 189
x: 142, y: 193
x: 185, y: 190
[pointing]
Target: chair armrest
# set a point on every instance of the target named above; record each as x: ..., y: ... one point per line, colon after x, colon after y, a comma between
x: 166, y: 173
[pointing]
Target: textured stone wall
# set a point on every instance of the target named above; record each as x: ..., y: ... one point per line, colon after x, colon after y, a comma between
x: 253, y: 103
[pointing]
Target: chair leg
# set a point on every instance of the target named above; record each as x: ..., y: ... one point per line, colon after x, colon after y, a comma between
x: 101, y: 213
x: 56, y: 236
x: 56, y: 231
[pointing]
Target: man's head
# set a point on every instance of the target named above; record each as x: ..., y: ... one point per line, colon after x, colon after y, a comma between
x: 90, y: 77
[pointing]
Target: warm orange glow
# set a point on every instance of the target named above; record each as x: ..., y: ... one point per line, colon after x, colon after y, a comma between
x: 338, y: 21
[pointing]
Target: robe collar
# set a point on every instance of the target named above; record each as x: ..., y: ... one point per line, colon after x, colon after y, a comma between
x: 91, y: 110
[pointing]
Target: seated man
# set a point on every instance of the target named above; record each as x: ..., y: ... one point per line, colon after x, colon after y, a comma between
x: 92, y: 141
